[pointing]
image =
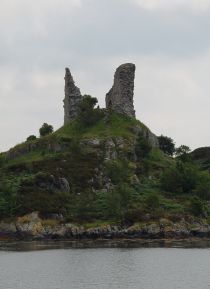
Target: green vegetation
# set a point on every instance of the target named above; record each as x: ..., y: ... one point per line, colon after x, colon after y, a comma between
x: 186, y: 178
x: 183, y: 153
x: 45, y: 129
x: 101, y: 168
x: 143, y: 146
x: 31, y: 138
x: 167, y: 145
x: 88, y: 115
x: 112, y: 125
x: 197, y: 206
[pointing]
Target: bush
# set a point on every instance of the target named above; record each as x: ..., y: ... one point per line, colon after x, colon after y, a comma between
x: 182, y: 153
x: 152, y: 201
x: 31, y: 138
x: 181, y: 178
x: 118, y: 201
x: 118, y: 171
x: 81, y: 207
x: 8, y: 204
x: 197, y: 206
x: 203, y: 186
x: 166, y: 144
x: 88, y: 114
x: 2, y: 159
x: 45, y: 129
x: 186, y: 178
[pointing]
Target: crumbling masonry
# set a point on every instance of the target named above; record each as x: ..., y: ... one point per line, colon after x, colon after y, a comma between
x: 72, y: 98
x: 119, y: 98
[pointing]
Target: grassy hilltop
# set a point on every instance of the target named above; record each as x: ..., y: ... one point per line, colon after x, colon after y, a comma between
x: 106, y: 169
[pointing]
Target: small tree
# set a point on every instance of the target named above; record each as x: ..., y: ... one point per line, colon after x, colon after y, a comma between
x: 45, y: 129
x: 197, y: 207
x: 167, y: 145
x: 88, y: 114
x: 182, y: 153
x: 203, y: 185
x: 152, y: 201
x: 180, y: 178
x: 31, y: 138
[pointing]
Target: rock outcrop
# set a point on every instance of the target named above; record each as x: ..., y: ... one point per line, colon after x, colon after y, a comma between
x: 120, y: 97
x: 33, y: 227
x: 72, y: 98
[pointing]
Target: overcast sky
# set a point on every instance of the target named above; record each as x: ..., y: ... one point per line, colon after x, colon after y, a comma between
x: 168, y: 40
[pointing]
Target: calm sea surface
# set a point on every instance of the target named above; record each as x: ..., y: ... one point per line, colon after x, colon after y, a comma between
x: 105, y: 268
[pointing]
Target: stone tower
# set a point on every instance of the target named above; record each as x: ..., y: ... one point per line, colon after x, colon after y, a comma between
x: 120, y: 97
x: 72, y: 98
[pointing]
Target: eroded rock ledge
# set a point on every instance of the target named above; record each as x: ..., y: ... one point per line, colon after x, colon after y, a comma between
x: 32, y: 227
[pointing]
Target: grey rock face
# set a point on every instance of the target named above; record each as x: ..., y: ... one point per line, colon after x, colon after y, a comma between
x: 53, y: 184
x: 151, y: 137
x: 72, y: 98
x: 110, y: 150
x: 120, y: 97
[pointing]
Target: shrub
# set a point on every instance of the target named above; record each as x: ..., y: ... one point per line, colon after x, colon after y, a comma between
x: 118, y: 171
x: 182, y: 153
x: 88, y: 114
x: 8, y: 204
x: 167, y: 145
x: 180, y: 178
x: 186, y: 178
x: 119, y: 201
x: 152, y: 201
x: 31, y: 138
x: 196, y: 206
x: 45, y: 129
x: 203, y: 186
x: 2, y: 159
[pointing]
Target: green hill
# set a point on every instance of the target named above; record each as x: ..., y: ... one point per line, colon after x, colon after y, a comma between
x: 110, y: 170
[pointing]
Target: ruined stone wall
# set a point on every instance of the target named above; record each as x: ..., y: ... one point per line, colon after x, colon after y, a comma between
x: 72, y: 98
x: 120, y: 97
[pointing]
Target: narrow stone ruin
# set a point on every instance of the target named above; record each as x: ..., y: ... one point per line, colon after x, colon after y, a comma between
x: 72, y: 98
x: 120, y: 97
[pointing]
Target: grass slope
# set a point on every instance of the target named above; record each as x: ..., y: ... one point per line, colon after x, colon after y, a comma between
x: 26, y: 172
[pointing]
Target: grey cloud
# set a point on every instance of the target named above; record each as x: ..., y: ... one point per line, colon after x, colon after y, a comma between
x: 103, y: 28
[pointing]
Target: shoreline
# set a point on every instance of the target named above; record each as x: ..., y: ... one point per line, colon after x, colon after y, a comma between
x: 33, y: 228
x: 34, y: 245
x: 68, y: 233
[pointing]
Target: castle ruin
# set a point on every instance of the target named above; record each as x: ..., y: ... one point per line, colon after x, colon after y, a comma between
x: 72, y: 98
x: 119, y: 98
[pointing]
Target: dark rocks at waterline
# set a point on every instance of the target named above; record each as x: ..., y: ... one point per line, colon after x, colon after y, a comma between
x: 34, y: 228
